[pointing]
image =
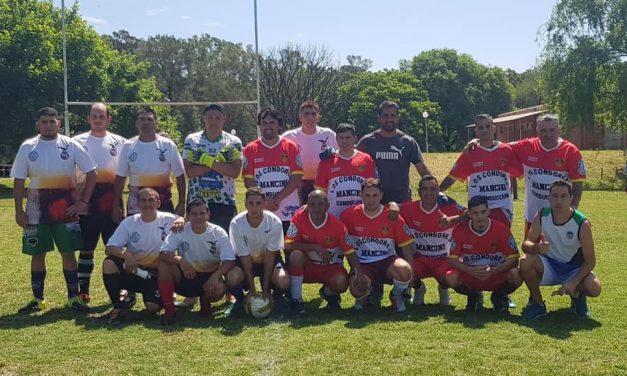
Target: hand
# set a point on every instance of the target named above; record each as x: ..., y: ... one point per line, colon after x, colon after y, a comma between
x: 324, y: 254
x: 117, y: 214
x: 77, y: 208
x: 445, y: 222
x: 543, y: 246
x: 393, y: 211
x: 360, y: 281
x: 188, y: 270
x: 21, y: 218
x: 568, y: 288
x: 201, y: 158
x: 130, y: 264
x: 471, y: 145
x: 481, y: 272
x: 180, y: 211
x: 178, y: 225
x: 272, y: 204
x: 327, y: 153
x: 228, y: 153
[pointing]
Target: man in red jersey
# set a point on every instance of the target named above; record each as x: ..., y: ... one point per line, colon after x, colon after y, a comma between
x: 483, y: 257
x: 374, y: 236
x: 317, y: 242
x: 431, y: 224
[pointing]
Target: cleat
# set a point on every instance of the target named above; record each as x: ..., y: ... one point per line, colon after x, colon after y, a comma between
x: 84, y: 297
x: 234, y: 309
x: 361, y: 304
x: 398, y: 303
x: 168, y: 317
x: 510, y: 302
x: 187, y: 303
x: 533, y: 311
x: 116, y: 316
x: 419, y: 295
x: 500, y: 303
x: 407, y: 296
x: 333, y: 301
x: 445, y: 296
x: 580, y: 306
x: 77, y: 305
x: 297, y: 307
x: 472, y: 302
x: 33, y: 306
x: 128, y: 301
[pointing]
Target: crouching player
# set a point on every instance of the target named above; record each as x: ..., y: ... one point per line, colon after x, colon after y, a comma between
x: 559, y: 250
x: 431, y: 225
x: 133, y: 255
x: 374, y: 236
x: 484, y: 257
x: 256, y: 235
x: 204, y: 261
x: 315, y: 243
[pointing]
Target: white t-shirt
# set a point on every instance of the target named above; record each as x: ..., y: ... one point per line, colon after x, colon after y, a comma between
x: 143, y: 239
x: 204, y: 250
x: 51, y: 167
x: 249, y: 241
x: 311, y: 146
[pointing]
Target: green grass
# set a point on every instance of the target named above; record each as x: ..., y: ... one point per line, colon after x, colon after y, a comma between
x: 425, y: 340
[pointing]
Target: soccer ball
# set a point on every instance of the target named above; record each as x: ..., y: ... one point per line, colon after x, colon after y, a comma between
x: 258, y: 307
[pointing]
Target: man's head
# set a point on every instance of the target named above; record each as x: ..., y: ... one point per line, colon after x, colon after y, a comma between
x: 99, y: 117
x: 484, y: 128
x: 270, y: 121
x: 214, y: 117
x: 48, y: 123
x: 478, y: 212
x: 548, y: 128
x: 388, y: 116
x: 428, y: 190
x: 309, y: 113
x: 317, y: 203
x: 560, y: 196
x: 197, y: 211
x: 148, y: 201
x: 146, y: 122
x: 346, y: 137
x: 255, y: 201
x: 371, y: 193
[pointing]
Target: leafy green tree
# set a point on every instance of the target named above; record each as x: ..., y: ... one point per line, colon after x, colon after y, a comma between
x: 525, y: 87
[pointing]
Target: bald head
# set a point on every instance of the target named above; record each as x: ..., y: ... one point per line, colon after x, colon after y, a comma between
x: 317, y: 204
x: 99, y: 119
x: 317, y: 193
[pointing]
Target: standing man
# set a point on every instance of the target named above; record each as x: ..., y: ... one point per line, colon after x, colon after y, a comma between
x: 104, y: 148
x: 148, y: 160
x: 342, y: 175
x: 50, y: 161
x: 273, y: 163
x: 559, y: 250
x: 312, y: 140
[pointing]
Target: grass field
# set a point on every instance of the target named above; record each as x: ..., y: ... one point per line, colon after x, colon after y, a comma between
x: 424, y: 340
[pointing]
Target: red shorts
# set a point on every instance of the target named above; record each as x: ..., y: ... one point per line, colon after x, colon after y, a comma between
x: 425, y: 267
x: 475, y: 284
x: 498, y: 214
x: 377, y: 271
x: 317, y: 273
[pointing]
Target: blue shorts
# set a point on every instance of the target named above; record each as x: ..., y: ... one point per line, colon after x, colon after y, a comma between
x: 557, y: 272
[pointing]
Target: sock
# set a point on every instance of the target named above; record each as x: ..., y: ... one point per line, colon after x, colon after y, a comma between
x: 85, y: 267
x: 112, y: 283
x: 237, y: 292
x: 37, y: 280
x: 376, y: 292
x: 399, y: 287
x: 327, y: 291
x: 166, y: 290
x: 71, y: 281
x: 505, y: 289
x: 296, y: 283
x: 462, y: 289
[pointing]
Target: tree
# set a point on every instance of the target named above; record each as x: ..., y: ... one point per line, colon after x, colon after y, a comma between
x: 584, y: 62
x: 462, y: 87
x: 525, y: 87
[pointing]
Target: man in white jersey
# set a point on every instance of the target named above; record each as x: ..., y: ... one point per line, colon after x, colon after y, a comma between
x: 559, y: 250
x: 133, y: 254
x: 312, y: 139
x: 104, y: 148
x: 49, y: 161
x: 256, y: 235
x: 148, y: 160
x: 203, y: 263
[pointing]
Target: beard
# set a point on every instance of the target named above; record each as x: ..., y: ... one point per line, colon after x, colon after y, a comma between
x: 388, y: 126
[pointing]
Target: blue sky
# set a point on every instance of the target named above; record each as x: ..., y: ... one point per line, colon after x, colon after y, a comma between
x: 501, y: 33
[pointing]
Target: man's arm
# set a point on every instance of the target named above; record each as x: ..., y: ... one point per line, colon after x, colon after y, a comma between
x: 247, y: 265
x: 181, y: 188
x: 230, y: 169
x: 249, y: 182
x: 193, y: 170
x: 446, y: 183
x: 269, y: 261
x: 534, y: 243
x: 422, y: 168
x: 309, y: 247
x: 577, y: 193
x: 589, y: 259
x: 408, y: 253
x: 82, y: 202
x: 118, y: 211
x: 18, y: 197
x: 511, y: 262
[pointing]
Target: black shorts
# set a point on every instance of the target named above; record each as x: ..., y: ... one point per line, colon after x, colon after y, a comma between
x: 93, y: 227
x: 258, y: 270
x: 222, y: 214
x: 306, y: 187
x: 286, y: 225
x: 191, y: 287
x: 130, y: 282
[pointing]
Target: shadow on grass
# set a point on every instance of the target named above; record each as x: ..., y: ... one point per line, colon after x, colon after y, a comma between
x: 6, y: 191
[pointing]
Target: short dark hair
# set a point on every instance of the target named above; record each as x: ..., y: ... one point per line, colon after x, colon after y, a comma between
x: 214, y: 107
x: 426, y: 178
x: 255, y: 191
x: 309, y: 103
x: 372, y: 182
x: 477, y: 201
x: 274, y: 113
x: 47, y: 111
x: 196, y: 202
x: 386, y: 104
x: 346, y: 127
x: 484, y: 117
x: 562, y: 183
x: 147, y: 110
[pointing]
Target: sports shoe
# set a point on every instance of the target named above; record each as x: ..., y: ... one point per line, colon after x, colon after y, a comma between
x: 407, y: 295
x: 128, y: 301
x: 333, y: 301
x: 580, y: 306
x: 510, y: 302
x: 500, y: 302
x: 419, y: 295
x: 84, y: 297
x: 187, y: 303
x: 34, y: 305
x: 234, y: 309
x: 361, y: 304
x: 76, y: 304
x: 533, y: 311
x: 116, y: 316
x: 398, y: 303
x: 297, y: 307
x: 472, y: 302
x: 445, y: 296
x: 168, y: 317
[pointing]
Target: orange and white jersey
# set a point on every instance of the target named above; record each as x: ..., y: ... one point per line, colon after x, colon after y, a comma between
x: 430, y: 239
x: 374, y: 238
x: 490, y: 248
x: 331, y: 234
x: 105, y: 152
x: 341, y: 178
x: 311, y: 145
x: 488, y: 173
x: 271, y: 168
x: 544, y: 166
x: 50, y: 165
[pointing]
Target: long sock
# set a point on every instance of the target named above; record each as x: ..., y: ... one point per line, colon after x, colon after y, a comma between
x: 85, y: 268
x: 462, y: 289
x: 399, y: 287
x: 505, y: 289
x: 296, y: 283
x: 37, y: 280
x: 237, y: 292
x: 113, y: 284
x: 71, y: 281
x: 166, y: 290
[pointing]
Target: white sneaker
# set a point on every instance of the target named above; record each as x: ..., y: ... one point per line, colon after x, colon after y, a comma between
x: 419, y: 295
x: 398, y: 303
x: 445, y: 297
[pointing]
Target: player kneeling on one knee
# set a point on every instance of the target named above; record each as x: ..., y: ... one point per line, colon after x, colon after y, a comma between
x: 315, y: 243
x: 196, y: 262
x: 483, y: 257
x: 559, y: 250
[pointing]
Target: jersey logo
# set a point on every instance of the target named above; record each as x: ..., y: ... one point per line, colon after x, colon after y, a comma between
x: 163, y: 233
x: 132, y: 157
x: 570, y: 235
x: 299, y: 161
x: 323, y: 143
x: 581, y: 168
x: 361, y: 168
x: 135, y: 237
x: 292, y: 231
x: 453, y: 244
x: 162, y: 154
x: 512, y: 242
x: 503, y: 162
x: 64, y: 154
x: 184, y: 246
x: 32, y: 156
x: 385, y: 230
x: 328, y: 240
x: 396, y: 149
x: 284, y: 157
x: 559, y: 162
x: 212, y: 247
x: 113, y: 151
x: 245, y: 239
